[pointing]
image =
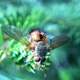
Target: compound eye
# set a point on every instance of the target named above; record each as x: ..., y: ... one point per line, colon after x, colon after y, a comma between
x: 35, y: 36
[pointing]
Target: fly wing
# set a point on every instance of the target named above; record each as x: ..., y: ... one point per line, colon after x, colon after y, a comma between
x: 59, y: 41
x: 15, y: 33
x: 12, y: 32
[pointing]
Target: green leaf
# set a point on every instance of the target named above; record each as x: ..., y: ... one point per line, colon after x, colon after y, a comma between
x: 1, y: 37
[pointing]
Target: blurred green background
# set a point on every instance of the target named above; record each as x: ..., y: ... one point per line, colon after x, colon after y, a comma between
x: 57, y: 17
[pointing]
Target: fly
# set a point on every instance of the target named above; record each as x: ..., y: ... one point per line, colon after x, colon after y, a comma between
x: 38, y: 42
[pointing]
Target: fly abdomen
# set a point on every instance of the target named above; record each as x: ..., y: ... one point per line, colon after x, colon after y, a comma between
x: 41, y: 49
